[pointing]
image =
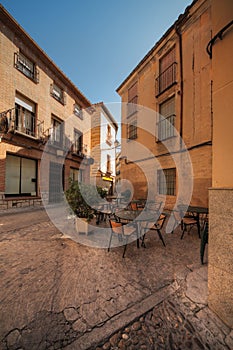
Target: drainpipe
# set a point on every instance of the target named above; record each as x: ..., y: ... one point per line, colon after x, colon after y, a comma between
x: 177, y: 29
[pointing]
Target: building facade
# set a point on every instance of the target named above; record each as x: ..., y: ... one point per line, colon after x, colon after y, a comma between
x: 40, y: 111
x: 187, y: 78
x: 103, y: 147
x: 220, y: 251
x: 171, y: 87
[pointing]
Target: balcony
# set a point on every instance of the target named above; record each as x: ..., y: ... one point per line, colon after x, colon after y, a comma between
x: 166, y: 79
x: 13, y: 120
x: 78, y: 149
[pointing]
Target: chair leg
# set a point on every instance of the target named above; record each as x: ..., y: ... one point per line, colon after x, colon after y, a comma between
x: 161, y: 237
x: 125, y: 247
x: 182, y: 234
x: 143, y: 241
x: 183, y: 230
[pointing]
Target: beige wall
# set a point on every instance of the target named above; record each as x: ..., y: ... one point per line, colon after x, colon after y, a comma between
x: 220, y: 251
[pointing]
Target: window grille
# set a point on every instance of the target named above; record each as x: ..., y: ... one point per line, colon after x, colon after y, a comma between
x: 26, y: 66
x: 167, y: 181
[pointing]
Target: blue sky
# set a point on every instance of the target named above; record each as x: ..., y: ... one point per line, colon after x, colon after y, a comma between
x: 96, y: 43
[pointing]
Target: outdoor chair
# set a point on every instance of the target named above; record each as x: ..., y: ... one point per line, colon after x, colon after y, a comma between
x: 156, y: 227
x: 186, y: 222
x: 135, y: 206
x: 122, y: 231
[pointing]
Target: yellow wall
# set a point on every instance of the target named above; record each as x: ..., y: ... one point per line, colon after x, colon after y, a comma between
x: 220, y: 248
x: 222, y: 62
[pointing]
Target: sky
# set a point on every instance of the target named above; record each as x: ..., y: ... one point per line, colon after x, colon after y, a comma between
x: 96, y: 43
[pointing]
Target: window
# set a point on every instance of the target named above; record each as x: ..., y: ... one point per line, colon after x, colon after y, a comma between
x: 56, y: 134
x: 76, y: 174
x: 78, y: 142
x: 21, y: 176
x: 167, y: 181
x: 26, y: 66
x: 132, y: 99
x: 109, y: 135
x: 166, y: 124
x: 167, y: 71
x: 132, y: 129
x: 109, y: 170
x: 57, y: 93
x: 25, y: 120
x: 77, y: 111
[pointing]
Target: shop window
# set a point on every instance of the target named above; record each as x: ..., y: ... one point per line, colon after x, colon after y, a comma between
x: 21, y: 176
x: 76, y: 174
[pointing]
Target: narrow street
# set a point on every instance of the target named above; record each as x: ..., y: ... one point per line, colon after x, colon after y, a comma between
x: 58, y: 294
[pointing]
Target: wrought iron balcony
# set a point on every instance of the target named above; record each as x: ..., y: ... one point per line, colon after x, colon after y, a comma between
x: 13, y: 120
x: 78, y: 149
x: 166, y: 79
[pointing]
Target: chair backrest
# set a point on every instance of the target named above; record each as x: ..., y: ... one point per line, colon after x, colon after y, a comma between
x: 115, y: 226
x: 160, y: 222
x: 134, y: 206
x: 177, y: 216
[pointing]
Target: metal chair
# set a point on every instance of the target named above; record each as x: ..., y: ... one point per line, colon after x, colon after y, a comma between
x: 135, y: 206
x: 122, y: 231
x: 186, y: 223
x: 156, y: 227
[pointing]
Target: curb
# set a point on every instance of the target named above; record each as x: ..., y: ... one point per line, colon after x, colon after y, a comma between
x: 100, y: 334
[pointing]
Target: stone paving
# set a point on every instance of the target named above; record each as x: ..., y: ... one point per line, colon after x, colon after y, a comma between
x: 58, y: 294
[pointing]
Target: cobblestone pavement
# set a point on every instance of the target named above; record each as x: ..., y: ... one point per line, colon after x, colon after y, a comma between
x: 58, y: 294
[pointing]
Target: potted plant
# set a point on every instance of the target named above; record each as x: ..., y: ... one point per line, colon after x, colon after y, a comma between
x: 81, y: 198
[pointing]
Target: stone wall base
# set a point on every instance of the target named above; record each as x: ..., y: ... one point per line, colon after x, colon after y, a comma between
x: 6, y: 204
x: 220, y: 251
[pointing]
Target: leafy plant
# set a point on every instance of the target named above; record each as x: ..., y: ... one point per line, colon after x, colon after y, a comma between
x: 81, y: 197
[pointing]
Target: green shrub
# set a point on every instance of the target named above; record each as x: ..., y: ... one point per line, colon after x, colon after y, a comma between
x: 81, y: 197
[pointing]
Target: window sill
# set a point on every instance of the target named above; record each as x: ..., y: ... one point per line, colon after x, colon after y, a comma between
x: 13, y: 197
x: 26, y: 135
x: 61, y: 101
x: 167, y: 88
x: 158, y: 141
x: 33, y: 79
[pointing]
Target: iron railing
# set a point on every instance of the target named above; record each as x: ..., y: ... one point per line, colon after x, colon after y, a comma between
x: 166, y: 79
x: 22, y: 122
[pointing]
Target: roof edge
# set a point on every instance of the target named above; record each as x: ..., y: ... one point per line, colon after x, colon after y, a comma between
x: 18, y: 27
x: 176, y: 23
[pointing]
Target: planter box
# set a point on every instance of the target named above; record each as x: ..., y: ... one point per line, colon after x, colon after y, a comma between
x: 82, y: 226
